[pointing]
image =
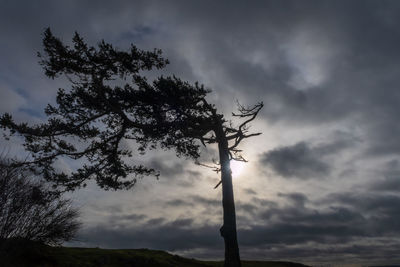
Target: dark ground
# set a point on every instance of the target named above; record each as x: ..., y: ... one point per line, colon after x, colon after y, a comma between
x: 17, y: 252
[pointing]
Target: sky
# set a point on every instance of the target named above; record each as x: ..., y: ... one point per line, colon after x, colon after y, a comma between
x: 323, y: 180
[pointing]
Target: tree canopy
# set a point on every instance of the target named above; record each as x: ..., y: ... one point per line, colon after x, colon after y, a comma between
x: 111, y: 101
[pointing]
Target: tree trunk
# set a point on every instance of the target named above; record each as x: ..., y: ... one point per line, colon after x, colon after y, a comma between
x: 228, y: 229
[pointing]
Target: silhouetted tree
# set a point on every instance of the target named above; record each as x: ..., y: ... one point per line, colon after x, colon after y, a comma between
x: 28, y: 209
x: 92, y: 119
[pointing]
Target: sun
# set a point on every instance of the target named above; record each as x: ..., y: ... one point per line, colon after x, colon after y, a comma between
x: 237, y: 167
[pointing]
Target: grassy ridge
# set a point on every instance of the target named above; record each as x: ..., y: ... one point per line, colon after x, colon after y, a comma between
x: 21, y: 253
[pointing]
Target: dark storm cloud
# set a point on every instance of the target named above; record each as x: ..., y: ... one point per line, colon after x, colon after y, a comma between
x: 174, y: 235
x: 358, y: 224
x: 129, y: 217
x: 298, y: 161
x: 381, y: 207
x: 390, y: 180
x: 359, y: 38
x: 296, y: 216
x: 194, y: 200
x: 121, y: 220
x: 179, y: 203
x: 250, y: 191
x: 177, y: 170
x: 304, y: 160
x: 208, y: 202
x: 155, y: 221
x: 298, y: 199
x: 266, y: 72
x: 166, y: 169
x: 359, y: 41
x: 264, y: 202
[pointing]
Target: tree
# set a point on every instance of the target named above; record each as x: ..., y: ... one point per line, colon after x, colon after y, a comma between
x: 28, y: 209
x: 92, y: 119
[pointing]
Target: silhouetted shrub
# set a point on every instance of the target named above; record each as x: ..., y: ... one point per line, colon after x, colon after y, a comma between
x: 30, y: 210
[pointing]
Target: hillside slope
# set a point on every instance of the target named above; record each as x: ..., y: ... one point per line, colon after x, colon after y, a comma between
x: 17, y: 253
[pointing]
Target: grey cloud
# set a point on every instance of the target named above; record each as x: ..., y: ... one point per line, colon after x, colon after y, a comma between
x: 166, y: 169
x: 179, y: 203
x: 14, y: 100
x: 155, y: 221
x: 246, y: 208
x: 169, y: 236
x: 182, y: 223
x: 123, y: 218
x: 176, y: 170
x: 296, y: 215
x: 250, y: 191
x: 298, y: 161
x: 349, y: 217
x: 305, y: 160
x: 391, y: 178
x: 212, y: 206
x: 391, y: 183
x: 382, y: 211
x: 210, y: 203
x: 298, y: 199
x: 336, y: 22
x: 362, y: 78
x: 264, y: 202
x: 265, y: 74
x: 357, y: 224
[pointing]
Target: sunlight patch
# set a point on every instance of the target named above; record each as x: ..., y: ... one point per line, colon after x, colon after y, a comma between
x: 237, y: 167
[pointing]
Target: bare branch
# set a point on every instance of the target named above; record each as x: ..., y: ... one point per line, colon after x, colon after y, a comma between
x: 252, y: 113
x: 213, y: 168
x: 220, y: 182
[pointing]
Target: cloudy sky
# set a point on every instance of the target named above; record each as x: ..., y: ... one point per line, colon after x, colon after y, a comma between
x: 323, y: 180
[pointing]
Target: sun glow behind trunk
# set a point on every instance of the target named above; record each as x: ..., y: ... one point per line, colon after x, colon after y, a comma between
x: 237, y: 167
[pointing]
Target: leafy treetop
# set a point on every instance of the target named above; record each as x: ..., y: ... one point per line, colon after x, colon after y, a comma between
x: 94, y: 117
